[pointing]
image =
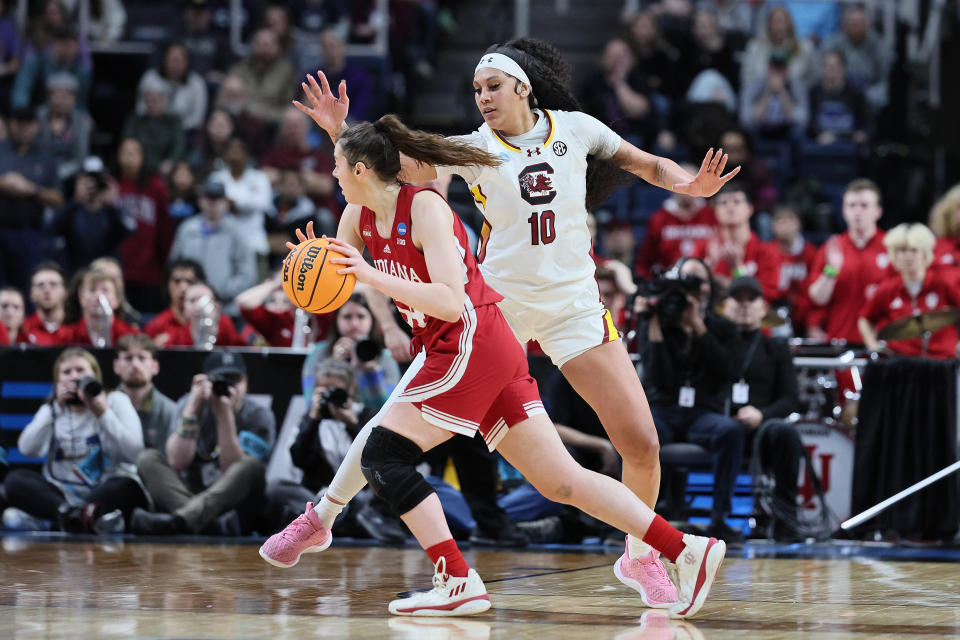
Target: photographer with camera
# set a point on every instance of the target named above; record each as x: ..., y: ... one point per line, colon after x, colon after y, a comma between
x: 687, y: 356
x: 215, y: 454
x: 325, y: 434
x: 90, y: 224
x: 90, y: 439
x: 355, y: 338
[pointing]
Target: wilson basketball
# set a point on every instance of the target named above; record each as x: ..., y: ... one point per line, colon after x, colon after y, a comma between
x: 311, y: 281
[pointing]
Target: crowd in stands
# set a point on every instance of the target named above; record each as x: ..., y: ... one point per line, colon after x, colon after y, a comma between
x: 174, y: 240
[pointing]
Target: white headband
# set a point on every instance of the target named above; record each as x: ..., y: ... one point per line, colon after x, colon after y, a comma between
x: 503, y: 63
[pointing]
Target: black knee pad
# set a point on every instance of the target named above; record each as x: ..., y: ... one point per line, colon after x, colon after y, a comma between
x: 388, y: 462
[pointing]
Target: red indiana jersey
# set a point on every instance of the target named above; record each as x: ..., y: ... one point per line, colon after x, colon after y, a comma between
x: 37, y: 333
x: 397, y: 256
x: 861, y: 272
x: 760, y: 260
x: 227, y: 335
x: 893, y: 302
x: 795, y: 264
x: 670, y: 237
x: 946, y: 252
x: 276, y: 328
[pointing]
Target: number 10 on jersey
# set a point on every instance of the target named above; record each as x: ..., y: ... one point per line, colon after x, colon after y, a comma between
x: 542, y: 229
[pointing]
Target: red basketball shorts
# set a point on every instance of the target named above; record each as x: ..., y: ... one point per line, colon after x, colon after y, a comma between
x: 475, y: 378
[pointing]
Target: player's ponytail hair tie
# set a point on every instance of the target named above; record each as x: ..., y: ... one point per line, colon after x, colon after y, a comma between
x: 503, y: 63
x: 382, y: 128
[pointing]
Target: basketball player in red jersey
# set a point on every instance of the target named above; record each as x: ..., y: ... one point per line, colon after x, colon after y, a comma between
x: 474, y: 378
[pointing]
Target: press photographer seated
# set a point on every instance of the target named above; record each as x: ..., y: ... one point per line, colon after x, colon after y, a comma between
x: 214, y: 458
x: 90, y: 439
x: 355, y: 338
x: 687, y: 356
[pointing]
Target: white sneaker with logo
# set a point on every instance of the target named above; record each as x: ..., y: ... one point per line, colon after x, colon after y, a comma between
x: 697, y: 568
x: 450, y: 596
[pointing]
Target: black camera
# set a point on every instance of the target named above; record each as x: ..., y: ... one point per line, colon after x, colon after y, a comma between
x: 90, y: 386
x: 667, y: 294
x: 221, y: 385
x: 367, y: 350
x: 335, y: 396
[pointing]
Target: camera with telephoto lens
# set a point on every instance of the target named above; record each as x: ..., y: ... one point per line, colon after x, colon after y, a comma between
x: 90, y: 387
x: 221, y: 385
x: 667, y: 293
x: 336, y: 396
x: 367, y: 350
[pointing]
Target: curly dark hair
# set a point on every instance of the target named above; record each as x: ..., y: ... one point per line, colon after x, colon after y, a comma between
x: 549, y: 77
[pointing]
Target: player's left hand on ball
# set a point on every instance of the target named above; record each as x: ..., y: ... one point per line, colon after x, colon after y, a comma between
x: 352, y: 261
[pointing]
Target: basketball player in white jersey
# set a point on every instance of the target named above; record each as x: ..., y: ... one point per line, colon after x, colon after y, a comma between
x: 535, y: 252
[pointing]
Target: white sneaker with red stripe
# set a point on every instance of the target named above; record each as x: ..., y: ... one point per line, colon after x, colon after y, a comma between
x: 450, y: 596
x: 697, y: 568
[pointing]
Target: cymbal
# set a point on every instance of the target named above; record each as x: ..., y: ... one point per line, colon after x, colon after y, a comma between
x: 917, y: 325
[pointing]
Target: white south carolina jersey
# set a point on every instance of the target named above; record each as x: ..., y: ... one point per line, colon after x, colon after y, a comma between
x: 535, y: 242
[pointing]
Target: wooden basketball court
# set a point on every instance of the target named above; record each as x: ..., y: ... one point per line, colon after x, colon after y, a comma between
x: 117, y: 589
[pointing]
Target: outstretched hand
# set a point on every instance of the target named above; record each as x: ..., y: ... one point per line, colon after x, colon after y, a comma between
x: 302, y: 237
x: 710, y: 177
x: 327, y: 111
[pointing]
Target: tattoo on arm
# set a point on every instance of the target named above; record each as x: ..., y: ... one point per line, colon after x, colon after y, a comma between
x: 660, y: 170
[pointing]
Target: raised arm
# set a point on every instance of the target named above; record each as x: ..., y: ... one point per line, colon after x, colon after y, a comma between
x: 663, y: 172
x: 330, y: 113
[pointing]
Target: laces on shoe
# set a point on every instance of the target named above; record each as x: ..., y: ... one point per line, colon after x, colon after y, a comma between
x: 296, y: 530
x: 440, y: 575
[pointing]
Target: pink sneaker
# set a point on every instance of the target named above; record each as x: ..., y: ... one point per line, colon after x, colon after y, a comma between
x: 648, y: 576
x: 306, y: 534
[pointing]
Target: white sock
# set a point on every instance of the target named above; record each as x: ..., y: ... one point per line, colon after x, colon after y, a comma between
x: 349, y: 480
x: 346, y: 483
x: 327, y: 511
x: 637, y: 547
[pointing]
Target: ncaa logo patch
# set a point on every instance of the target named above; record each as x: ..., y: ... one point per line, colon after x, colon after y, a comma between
x: 402, y: 229
x: 559, y: 148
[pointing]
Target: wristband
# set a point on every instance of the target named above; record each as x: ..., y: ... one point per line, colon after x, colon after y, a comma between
x: 830, y: 271
x: 189, y: 427
x: 188, y: 434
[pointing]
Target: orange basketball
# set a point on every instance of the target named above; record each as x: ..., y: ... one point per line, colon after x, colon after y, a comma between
x: 311, y: 281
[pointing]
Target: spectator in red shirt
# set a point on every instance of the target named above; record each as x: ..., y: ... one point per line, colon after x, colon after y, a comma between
x: 266, y: 307
x: 179, y: 275
x: 12, y: 310
x: 796, y: 259
x: 673, y: 231
x: 918, y: 288
x: 143, y: 198
x: 97, y: 326
x: 48, y: 291
x: 848, y: 267
x: 945, y: 223
x: 202, y: 312
x: 734, y: 250
x: 292, y: 151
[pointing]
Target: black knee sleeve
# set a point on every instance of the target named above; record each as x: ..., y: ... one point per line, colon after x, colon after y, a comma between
x: 388, y: 462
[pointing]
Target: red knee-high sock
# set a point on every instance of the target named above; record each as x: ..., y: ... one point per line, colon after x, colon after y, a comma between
x: 456, y: 566
x: 664, y: 538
